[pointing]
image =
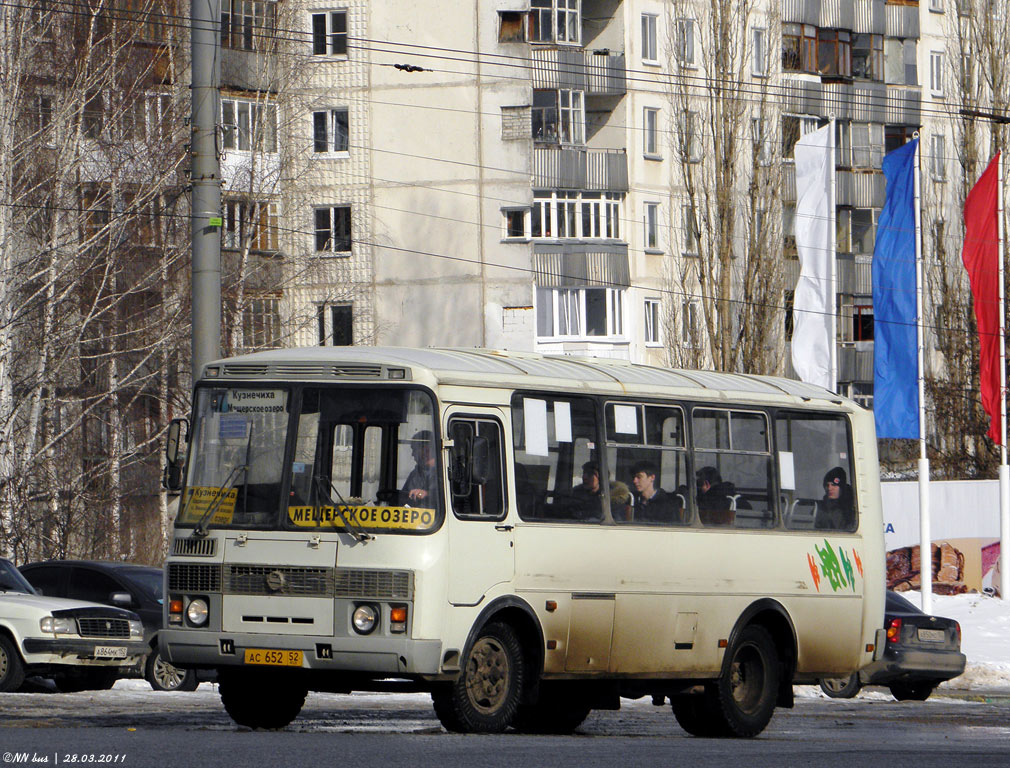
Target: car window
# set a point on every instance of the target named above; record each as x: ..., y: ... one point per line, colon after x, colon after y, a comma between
x: 11, y: 579
x: 895, y: 603
x: 93, y: 586
x: 147, y: 581
x: 46, y: 579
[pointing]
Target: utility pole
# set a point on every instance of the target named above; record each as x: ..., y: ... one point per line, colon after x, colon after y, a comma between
x: 205, y: 181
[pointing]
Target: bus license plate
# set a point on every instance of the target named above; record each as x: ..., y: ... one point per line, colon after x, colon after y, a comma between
x: 110, y: 652
x: 931, y: 635
x: 273, y: 658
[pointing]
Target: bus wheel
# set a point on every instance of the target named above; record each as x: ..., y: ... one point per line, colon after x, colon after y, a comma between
x: 841, y: 687
x: 485, y: 696
x: 747, y: 690
x: 260, y: 699
x: 556, y: 711
x: 698, y: 714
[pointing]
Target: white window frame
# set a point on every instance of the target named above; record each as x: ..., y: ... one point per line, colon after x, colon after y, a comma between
x: 567, y: 308
x: 938, y: 157
x: 689, y: 326
x: 759, y: 52
x: 333, y: 41
x: 763, y: 137
x: 690, y: 136
x: 685, y: 42
x: 506, y: 213
x: 652, y: 326
x: 240, y: 123
x: 650, y: 133
x: 936, y: 6
x: 324, y: 321
x: 556, y: 209
x: 650, y: 220
x: 689, y: 243
x: 332, y: 250
x: 237, y: 217
x: 936, y: 73
x: 329, y: 140
x: 571, y: 117
x: 565, y: 20
x: 650, y: 49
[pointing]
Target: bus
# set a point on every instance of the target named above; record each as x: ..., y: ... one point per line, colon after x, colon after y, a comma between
x: 526, y: 537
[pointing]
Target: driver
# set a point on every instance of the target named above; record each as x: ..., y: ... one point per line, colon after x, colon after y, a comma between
x: 421, y: 486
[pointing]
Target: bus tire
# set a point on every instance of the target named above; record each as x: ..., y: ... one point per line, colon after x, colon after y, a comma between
x: 12, y: 669
x: 261, y: 699
x: 556, y: 711
x: 698, y: 714
x: 746, y: 692
x: 163, y: 676
x: 485, y: 696
x: 841, y: 687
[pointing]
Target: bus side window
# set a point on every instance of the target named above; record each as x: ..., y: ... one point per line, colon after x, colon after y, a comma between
x: 487, y: 499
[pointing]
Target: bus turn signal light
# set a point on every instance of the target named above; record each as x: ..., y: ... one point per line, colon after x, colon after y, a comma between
x: 175, y: 612
x: 398, y: 618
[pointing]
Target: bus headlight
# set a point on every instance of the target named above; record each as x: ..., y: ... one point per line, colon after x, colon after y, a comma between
x: 56, y: 626
x: 197, y: 611
x: 365, y: 619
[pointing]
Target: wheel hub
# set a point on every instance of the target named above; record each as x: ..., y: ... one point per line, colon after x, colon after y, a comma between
x: 487, y: 675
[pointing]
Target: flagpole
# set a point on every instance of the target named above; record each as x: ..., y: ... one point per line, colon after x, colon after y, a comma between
x: 925, y: 539
x: 1004, y: 470
x: 833, y: 266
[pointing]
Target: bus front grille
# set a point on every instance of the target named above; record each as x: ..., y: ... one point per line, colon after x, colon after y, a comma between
x: 367, y: 582
x: 194, y: 577
x: 278, y: 580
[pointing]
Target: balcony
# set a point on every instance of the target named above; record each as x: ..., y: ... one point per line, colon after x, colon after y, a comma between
x: 595, y: 73
x: 594, y: 170
x: 580, y: 264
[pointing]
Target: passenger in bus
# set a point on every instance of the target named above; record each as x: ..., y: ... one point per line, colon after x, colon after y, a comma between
x: 717, y: 498
x: 621, y: 502
x: 587, y: 495
x: 421, y: 487
x: 652, y: 504
x: 835, y: 510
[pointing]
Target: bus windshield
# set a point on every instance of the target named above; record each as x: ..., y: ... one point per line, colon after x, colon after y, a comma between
x: 363, y: 460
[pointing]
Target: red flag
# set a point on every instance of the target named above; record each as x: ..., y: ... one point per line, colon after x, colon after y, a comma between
x: 981, y: 259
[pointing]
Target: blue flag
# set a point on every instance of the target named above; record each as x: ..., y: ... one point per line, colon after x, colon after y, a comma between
x: 895, y: 321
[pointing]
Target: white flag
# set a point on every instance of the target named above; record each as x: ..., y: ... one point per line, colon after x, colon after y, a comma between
x: 814, y: 301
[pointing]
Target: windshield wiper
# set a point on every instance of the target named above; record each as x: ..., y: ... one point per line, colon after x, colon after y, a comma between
x: 200, y: 529
x: 357, y: 530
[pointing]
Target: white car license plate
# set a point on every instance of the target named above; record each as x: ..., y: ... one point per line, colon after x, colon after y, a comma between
x: 110, y: 652
x: 931, y: 635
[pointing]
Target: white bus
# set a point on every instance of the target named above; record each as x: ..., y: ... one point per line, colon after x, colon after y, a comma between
x: 526, y: 537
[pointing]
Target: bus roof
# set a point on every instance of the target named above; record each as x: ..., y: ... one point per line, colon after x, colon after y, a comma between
x: 474, y: 367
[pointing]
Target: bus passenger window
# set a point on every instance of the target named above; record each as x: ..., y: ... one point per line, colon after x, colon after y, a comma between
x: 554, y: 439
x: 815, y: 472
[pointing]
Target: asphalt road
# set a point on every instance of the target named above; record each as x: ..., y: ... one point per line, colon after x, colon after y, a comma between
x: 137, y: 727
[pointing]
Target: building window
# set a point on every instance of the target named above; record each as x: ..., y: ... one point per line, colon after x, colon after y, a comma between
x: 862, y: 322
x: 868, y: 57
x: 863, y: 232
x: 510, y: 27
x: 248, y: 125
x: 690, y: 136
x: 329, y: 33
x: 650, y: 52
x: 651, y: 132
x: 652, y: 226
x: 899, y: 62
x: 515, y: 223
x: 248, y: 25
x: 936, y: 6
x: 652, y: 323
x: 938, y: 159
x: 834, y: 53
x: 799, y: 48
x: 42, y: 118
x: 336, y: 325
x: 585, y: 215
x: 558, y: 117
x: 261, y: 322
x: 252, y: 225
x: 759, y: 52
x: 936, y: 73
x: 761, y: 134
x: 574, y: 313
x: 793, y: 128
x: 690, y: 231
x: 543, y: 14
x: 685, y: 42
x: 897, y: 136
x: 689, y: 327
x: 330, y: 130
x: 333, y: 229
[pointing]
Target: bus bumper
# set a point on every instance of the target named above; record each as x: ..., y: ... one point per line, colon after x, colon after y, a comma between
x: 371, y: 655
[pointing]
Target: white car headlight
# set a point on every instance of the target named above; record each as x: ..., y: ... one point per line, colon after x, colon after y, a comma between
x: 136, y: 629
x: 56, y: 626
x: 196, y: 612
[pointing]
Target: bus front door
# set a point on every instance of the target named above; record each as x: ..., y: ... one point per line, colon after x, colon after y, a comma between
x: 480, y: 539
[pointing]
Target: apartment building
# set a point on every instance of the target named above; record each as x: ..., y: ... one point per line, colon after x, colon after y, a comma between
x: 540, y: 174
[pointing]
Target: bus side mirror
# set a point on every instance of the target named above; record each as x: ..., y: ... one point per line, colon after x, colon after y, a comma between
x: 175, y: 457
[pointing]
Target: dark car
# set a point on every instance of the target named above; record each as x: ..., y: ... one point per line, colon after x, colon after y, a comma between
x: 126, y: 585
x: 921, y: 652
